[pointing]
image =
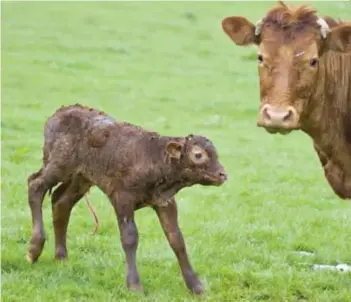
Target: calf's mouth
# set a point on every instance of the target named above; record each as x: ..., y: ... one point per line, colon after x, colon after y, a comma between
x: 216, y: 179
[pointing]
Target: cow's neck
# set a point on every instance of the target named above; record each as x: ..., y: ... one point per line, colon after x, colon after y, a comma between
x: 330, y: 107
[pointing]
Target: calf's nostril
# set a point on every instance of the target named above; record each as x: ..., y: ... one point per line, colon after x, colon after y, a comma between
x: 223, y: 175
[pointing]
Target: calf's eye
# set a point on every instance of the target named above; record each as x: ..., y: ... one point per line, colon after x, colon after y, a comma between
x: 260, y: 59
x: 313, y: 62
x: 198, y: 155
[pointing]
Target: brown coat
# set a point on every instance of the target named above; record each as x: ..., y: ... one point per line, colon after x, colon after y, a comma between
x: 304, y: 65
x: 134, y: 167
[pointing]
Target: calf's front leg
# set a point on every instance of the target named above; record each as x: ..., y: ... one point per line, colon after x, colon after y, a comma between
x: 168, y: 216
x: 124, y: 205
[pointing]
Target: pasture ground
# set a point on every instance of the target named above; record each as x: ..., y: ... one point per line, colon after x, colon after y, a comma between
x: 168, y: 67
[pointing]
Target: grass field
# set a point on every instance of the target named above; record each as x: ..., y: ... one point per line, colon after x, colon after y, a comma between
x: 170, y: 68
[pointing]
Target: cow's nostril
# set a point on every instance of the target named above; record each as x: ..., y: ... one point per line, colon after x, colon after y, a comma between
x: 266, y: 114
x: 288, y: 115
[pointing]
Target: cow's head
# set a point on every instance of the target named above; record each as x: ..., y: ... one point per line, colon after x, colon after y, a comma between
x: 290, y: 42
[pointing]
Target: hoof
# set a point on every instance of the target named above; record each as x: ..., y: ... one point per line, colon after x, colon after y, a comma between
x: 137, y: 288
x: 61, y: 254
x: 34, y: 253
x: 194, y: 284
x: 60, y: 258
x: 36, y: 247
x: 198, y: 289
x: 30, y: 258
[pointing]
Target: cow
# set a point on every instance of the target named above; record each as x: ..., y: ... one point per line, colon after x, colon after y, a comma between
x: 304, y: 67
x: 133, y: 167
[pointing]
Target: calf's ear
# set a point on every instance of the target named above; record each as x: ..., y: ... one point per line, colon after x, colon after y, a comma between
x: 174, y: 149
x: 339, y: 39
x: 240, y: 30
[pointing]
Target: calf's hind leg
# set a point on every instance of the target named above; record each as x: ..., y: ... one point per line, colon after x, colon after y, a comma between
x: 168, y: 216
x: 63, y: 200
x: 38, y: 184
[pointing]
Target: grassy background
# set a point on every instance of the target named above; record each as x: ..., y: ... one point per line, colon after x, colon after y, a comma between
x: 170, y: 68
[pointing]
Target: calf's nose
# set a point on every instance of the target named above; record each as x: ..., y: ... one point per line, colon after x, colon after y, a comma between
x: 278, y: 117
x: 223, y: 175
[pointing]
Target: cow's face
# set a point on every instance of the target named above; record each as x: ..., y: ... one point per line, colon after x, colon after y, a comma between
x: 288, y: 73
x: 290, y: 44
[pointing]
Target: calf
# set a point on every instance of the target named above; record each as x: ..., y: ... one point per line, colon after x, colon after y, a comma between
x: 135, y: 168
x: 304, y: 68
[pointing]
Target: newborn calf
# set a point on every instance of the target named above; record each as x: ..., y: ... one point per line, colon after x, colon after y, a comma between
x: 135, y: 168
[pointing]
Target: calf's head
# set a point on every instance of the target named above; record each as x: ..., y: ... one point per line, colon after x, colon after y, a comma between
x: 196, y: 159
x: 291, y: 43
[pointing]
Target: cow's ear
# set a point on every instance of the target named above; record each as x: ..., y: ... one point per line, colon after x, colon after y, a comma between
x: 339, y: 38
x: 240, y: 30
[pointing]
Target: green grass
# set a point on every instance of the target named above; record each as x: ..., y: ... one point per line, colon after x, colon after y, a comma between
x: 170, y: 68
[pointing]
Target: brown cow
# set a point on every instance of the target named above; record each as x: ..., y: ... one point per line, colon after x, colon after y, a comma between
x: 134, y: 167
x: 304, y: 66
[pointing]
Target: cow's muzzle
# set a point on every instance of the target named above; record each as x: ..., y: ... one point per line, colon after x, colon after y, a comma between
x: 282, y: 120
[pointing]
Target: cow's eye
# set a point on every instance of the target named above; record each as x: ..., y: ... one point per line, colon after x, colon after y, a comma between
x: 313, y: 62
x: 260, y: 59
